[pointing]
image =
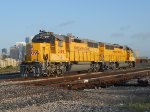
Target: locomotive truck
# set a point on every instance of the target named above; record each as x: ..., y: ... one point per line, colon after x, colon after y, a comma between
x: 52, y: 54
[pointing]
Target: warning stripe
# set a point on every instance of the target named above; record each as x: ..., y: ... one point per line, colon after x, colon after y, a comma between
x: 34, y: 53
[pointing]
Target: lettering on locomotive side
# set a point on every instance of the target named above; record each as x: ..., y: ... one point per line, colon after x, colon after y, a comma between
x: 58, y: 57
x: 81, y: 48
x: 117, y: 51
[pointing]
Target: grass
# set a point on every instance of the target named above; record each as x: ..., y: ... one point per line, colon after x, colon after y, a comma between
x: 9, y: 69
x: 138, y: 106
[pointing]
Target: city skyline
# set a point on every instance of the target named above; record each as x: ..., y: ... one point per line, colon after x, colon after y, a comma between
x: 123, y: 22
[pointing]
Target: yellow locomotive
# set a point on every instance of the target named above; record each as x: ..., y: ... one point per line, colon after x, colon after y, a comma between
x: 52, y: 54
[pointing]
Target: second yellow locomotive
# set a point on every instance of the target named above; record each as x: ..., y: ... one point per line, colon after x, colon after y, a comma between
x: 52, y: 54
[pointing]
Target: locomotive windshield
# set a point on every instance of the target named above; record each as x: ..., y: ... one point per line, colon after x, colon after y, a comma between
x: 41, y: 38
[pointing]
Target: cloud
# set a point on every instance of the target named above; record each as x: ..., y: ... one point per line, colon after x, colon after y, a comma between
x: 118, y: 35
x: 66, y: 23
x: 141, y: 35
x: 123, y: 28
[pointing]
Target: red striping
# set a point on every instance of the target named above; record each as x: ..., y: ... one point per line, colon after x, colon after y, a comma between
x: 34, y: 53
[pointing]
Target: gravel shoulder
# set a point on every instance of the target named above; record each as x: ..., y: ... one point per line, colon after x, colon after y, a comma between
x: 24, y: 98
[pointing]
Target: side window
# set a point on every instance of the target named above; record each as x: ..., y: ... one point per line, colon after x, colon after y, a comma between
x: 101, y: 44
x: 60, y: 43
x: 110, y: 47
x: 94, y: 45
x: 77, y: 41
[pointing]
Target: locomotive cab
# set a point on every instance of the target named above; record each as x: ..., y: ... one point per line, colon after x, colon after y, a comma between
x: 44, y: 54
x: 39, y: 50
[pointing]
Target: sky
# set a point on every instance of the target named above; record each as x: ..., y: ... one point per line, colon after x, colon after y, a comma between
x: 125, y: 22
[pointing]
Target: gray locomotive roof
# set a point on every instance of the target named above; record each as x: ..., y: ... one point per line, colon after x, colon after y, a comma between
x: 115, y: 45
x: 88, y: 40
x: 60, y: 37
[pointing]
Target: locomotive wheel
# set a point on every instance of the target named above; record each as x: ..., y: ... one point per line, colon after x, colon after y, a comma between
x: 113, y: 66
x: 90, y: 70
x: 49, y: 73
x: 59, y: 72
x: 34, y: 71
x: 46, y: 73
x: 95, y: 69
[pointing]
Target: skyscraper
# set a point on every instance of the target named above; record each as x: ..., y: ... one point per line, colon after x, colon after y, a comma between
x: 28, y: 39
x: 14, y: 52
x: 21, y: 46
x: 4, y: 51
x: 18, y: 51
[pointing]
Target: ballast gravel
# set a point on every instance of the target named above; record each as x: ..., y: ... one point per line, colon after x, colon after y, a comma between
x: 29, y: 98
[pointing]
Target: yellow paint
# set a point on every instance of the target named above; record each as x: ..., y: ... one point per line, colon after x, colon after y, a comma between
x: 115, y: 55
x: 72, y: 51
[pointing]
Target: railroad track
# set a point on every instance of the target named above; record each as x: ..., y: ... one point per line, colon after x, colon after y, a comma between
x: 17, y: 76
x: 70, y: 74
x: 82, y: 81
x: 104, y: 81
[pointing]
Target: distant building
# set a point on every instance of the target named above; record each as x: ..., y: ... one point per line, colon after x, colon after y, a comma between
x: 4, y: 51
x: 8, y: 62
x: 2, y: 63
x: 21, y: 46
x: 28, y: 39
x: 14, y: 52
x: 17, y: 52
